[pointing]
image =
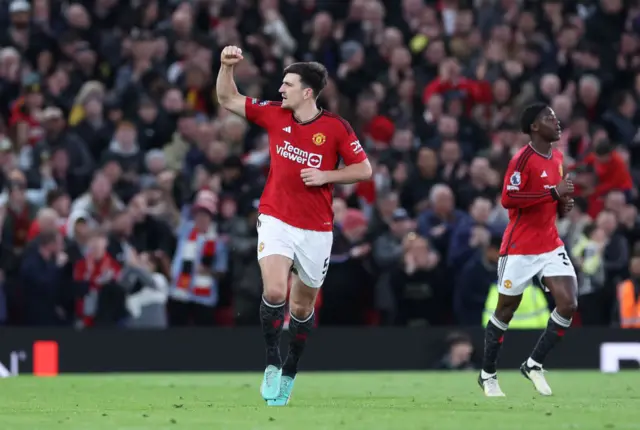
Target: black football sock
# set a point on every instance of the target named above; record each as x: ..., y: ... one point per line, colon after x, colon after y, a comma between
x: 272, y: 319
x: 554, y: 332
x: 493, y: 337
x: 299, y: 332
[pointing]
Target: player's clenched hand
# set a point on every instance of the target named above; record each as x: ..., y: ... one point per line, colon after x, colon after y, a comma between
x: 565, y: 187
x: 567, y: 205
x: 313, y: 177
x: 231, y: 55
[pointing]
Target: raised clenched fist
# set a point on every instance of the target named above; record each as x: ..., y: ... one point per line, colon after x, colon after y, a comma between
x: 231, y: 55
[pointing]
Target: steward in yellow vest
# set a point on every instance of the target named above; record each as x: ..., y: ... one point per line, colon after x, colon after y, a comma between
x: 533, y: 312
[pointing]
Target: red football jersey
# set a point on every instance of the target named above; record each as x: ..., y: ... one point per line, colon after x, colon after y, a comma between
x: 532, y: 206
x: 319, y: 143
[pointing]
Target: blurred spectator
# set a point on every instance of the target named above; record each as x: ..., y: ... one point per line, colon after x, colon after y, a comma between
x: 626, y: 306
x: 418, y: 284
x: 459, y: 353
x: 345, y: 297
x: 201, y: 258
x: 588, y: 255
x: 473, y: 282
x: 41, y: 275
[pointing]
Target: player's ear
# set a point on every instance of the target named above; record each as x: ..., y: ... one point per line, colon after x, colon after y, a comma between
x: 308, y: 93
x: 534, y: 126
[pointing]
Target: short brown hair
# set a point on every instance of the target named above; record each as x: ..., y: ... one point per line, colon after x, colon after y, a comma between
x: 312, y: 75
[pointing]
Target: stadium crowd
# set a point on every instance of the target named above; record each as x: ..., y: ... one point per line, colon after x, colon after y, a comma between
x: 114, y: 151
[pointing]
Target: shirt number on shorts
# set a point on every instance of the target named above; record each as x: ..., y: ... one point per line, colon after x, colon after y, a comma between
x: 565, y: 259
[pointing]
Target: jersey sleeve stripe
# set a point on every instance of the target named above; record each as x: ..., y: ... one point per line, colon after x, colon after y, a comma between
x: 343, y: 121
x: 526, y: 195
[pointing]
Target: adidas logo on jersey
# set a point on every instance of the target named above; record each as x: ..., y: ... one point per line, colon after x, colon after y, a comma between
x: 287, y: 129
x: 544, y: 174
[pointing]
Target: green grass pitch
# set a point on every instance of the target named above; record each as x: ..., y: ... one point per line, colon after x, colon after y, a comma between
x: 327, y: 401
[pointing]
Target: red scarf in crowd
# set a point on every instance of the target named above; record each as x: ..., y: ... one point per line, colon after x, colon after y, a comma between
x: 202, y: 282
x: 101, y: 272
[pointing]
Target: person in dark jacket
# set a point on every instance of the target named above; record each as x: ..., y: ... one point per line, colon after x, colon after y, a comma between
x: 473, y: 283
x: 41, y: 274
x: 472, y: 233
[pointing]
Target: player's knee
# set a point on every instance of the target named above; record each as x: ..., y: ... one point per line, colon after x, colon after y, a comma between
x: 275, y: 292
x: 300, y: 308
x: 567, y: 306
x: 506, y: 308
x: 505, y: 314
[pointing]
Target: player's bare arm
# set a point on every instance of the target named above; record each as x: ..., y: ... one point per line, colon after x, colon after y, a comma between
x: 347, y: 175
x: 226, y: 89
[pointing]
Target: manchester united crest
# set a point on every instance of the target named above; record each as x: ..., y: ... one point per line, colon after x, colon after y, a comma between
x: 508, y: 284
x: 261, y: 247
x: 319, y: 139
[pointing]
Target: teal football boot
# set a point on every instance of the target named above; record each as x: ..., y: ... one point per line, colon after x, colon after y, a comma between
x: 270, y: 388
x: 286, y: 387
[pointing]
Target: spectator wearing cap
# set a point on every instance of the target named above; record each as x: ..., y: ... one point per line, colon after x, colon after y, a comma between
x: 57, y: 136
x: 387, y: 254
x: 200, y: 260
x: 387, y: 248
x: 29, y: 39
x: 473, y: 281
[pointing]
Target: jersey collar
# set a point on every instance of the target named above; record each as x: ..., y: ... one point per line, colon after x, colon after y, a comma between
x: 309, y: 121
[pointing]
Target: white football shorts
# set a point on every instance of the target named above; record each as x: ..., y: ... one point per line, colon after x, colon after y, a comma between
x: 310, y: 250
x: 516, y: 272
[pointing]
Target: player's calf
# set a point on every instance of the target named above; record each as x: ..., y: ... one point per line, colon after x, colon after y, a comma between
x: 564, y: 293
x: 275, y: 272
x: 494, y: 333
x: 301, y: 305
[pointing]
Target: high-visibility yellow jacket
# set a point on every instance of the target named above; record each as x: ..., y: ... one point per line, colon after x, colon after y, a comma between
x: 533, y: 312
